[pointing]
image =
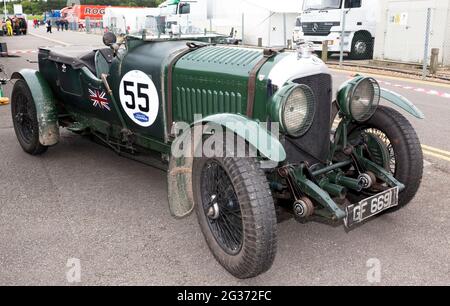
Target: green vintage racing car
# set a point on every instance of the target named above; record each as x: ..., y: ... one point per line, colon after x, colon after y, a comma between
x: 132, y: 96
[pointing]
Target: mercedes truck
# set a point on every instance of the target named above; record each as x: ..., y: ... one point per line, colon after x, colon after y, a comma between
x: 322, y: 20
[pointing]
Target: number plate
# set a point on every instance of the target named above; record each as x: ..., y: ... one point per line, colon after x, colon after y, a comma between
x: 370, y: 207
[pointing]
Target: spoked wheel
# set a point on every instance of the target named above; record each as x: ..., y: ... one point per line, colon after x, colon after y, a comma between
x: 394, y: 145
x: 381, y: 150
x: 236, y: 213
x: 25, y: 119
x: 221, y: 207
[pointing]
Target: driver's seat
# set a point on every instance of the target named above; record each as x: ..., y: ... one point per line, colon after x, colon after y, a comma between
x: 96, y: 60
x: 103, y: 59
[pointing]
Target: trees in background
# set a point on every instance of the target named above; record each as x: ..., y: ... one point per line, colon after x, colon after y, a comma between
x: 37, y: 7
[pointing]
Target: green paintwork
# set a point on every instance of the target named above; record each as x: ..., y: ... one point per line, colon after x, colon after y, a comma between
x: 314, y: 191
x: 332, y: 180
x: 153, y: 59
x: 211, y: 81
x: 256, y: 135
x: 214, y: 80
x: 333, y: 189
x: 381, y: 173
x: 45, y: 105
x: 378, y: 151
x: 340, y: 138
x: 94, y: 81
x: 332, y: 167
x: 90, y: 79
x: 402, y: 102
x: 344, y: 93
x: 181, y: 201
x: 340, y: 179
x: 170, y: 2
x: 275, y: 106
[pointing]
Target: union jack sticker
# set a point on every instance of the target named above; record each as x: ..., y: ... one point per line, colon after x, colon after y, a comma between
x: 99, y: 99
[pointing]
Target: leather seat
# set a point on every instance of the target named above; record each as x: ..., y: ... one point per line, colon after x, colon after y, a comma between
x: 78, y: 57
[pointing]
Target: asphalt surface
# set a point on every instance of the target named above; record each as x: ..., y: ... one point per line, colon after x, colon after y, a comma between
x: 82, y: 201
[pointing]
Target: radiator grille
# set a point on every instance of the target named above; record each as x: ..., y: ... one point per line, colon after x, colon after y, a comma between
x: 314, y: 146
x: 191, y: 101
x: 318, y: 28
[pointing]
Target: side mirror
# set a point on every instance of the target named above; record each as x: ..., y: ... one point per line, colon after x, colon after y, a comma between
x: 109, y: 39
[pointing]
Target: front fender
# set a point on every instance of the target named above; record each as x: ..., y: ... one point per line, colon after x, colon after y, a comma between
x: 402, y: 102
x: 44, y: 101
x: 180, y: 192
x: 255, y: 134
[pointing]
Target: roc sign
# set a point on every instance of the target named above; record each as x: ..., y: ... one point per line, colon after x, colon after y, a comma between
x: 90, y: 11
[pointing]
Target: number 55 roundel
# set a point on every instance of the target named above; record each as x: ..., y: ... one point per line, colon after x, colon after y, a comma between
x: 139, y: 98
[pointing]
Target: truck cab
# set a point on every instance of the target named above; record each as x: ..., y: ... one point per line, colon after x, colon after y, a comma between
x: 321, y: 20
x: 177, y: 16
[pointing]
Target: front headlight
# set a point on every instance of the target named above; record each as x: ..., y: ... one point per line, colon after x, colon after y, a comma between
x: 360, y: 98
x: 294, y: 108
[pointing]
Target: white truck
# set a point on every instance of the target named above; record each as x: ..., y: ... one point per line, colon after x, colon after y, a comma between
x: 181, y: 16
x: 321, y: 20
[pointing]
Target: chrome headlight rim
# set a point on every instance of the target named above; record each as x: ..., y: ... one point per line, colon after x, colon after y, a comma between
x: 304, y: 126
x: 373, y: 104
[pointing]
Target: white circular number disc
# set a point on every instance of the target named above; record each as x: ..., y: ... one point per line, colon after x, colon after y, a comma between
x: 139, y: 98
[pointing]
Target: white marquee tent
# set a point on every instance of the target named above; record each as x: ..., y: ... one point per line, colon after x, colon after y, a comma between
x: 272, y: 21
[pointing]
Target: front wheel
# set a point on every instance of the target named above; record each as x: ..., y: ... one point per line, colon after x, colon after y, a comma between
x: 236, y: 213
x: 397, y: 148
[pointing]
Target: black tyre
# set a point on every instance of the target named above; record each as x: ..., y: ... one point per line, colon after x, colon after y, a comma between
x: 403, y: 147
x: 362, y: 47
x: 236, y: 213
x: 25, y: 120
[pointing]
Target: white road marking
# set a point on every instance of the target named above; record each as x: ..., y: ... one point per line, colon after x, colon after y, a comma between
x: 22, y: 51
x: 50, y: 39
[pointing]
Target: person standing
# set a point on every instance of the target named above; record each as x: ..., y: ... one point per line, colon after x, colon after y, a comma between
x: 23, y: 26
x: 16, y: 26
x: 9, y: 28
x: 49, y: 26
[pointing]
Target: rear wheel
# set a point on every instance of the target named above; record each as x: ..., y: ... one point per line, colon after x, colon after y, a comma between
x: 236, y: 213
x: 25, y: 120
x: 397, y: 148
